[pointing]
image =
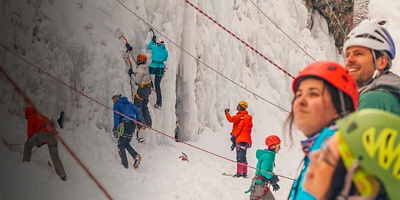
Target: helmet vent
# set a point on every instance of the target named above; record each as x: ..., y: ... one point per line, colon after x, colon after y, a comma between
x: 332, y: 68
x: 345, y: 78
x: 366, y: 35
x: 360, y: 158
x: 352, y: 127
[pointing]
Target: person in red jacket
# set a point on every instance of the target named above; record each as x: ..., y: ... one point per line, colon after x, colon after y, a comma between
x: 40, y: 133
x: 241, y: 135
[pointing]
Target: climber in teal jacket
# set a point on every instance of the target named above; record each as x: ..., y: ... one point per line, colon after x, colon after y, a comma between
x: 157, y: 66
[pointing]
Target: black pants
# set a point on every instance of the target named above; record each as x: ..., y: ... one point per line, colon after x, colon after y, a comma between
x: 141, y: 101
x: 241, y: 152
x: 124, y: 143
x: 158, y: 89
x: 159, y: 73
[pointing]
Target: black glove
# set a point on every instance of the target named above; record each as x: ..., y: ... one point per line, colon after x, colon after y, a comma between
x: 130, y: 72
x: 233, y: 139
x: 39, y: 145
x: 275, y: 187
x: 154, y: 38
x: 226, y: 110
x: 115, y: 132
x: 128, y: 47
x: 274, y: 181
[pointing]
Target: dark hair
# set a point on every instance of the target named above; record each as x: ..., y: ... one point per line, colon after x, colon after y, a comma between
x: 379, y: 54
x: 334, y: 92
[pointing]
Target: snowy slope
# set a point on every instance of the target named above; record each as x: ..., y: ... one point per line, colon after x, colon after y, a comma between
x: 77, y: 42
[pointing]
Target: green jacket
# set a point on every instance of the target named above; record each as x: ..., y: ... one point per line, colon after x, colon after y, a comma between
x: 266, y: 159
x: 383, y: 93
x: 380, y: 100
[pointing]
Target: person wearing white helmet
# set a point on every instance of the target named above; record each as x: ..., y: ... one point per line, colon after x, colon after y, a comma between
x: 125, y: 115
x: 369, y: 51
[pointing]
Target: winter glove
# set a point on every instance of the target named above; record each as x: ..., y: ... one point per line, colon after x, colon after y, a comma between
x: 115, y: 132
x: 154, y: 38
x: 130, y: 72
x: 226, y: 110
x: 128, y: 47
x: 274, y: 181
x: 233, y: 139
x: 275, y: 187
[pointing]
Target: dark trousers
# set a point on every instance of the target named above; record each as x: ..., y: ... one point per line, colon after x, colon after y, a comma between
x: 141, y: 101
x: 241, y: 152
x: 124, y: 143
x: 159, y: 73
x: 158, y: 89
x: 51, y: 141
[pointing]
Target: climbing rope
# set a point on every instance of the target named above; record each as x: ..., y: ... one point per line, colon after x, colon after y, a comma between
x: 344, y: 32
x: 194, y: 57
x: 51, y: 127
x: 284, y: 31
x: 107, y: 107
x: 242, y: 41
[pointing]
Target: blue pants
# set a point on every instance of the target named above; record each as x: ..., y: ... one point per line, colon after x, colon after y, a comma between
x: 123, y: 143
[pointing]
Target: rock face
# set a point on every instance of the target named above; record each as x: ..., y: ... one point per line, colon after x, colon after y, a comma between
x: 338, y: 14
x: 360, y: 11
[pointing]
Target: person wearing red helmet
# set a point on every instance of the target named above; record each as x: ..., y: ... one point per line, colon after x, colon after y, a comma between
x: 266, y: 158
x: 39, y: 133
x: 324, y: 92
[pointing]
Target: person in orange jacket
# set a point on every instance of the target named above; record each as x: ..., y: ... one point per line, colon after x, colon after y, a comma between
x: 39, y: 133
x: 241, y: 136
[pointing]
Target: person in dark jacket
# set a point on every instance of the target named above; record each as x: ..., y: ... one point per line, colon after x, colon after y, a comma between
x: 39, y: 133
x: 124, y: 127
x: 157, y: 66
x: 241, y: 131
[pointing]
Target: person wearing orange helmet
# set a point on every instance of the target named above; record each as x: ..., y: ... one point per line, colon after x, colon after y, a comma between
x: 241, y: 136
x: 323, y: 92
x: 266, y: 158
x: 143, y: 81
x: 39, y: 133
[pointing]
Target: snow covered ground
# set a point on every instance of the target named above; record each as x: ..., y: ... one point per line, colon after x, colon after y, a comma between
x: 77, y: 42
